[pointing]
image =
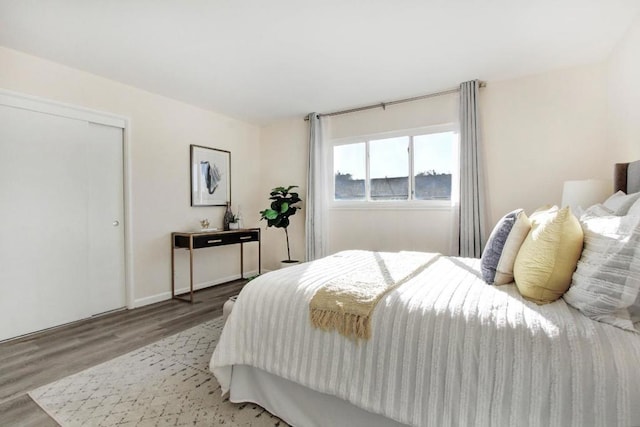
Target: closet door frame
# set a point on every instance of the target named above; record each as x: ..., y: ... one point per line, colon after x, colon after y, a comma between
x: 47, y: 106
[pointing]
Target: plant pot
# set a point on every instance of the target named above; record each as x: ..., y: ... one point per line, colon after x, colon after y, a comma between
x: 234, y: 225
x: 287, y: 263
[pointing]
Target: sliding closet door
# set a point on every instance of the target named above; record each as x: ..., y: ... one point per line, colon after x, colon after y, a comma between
x: 61, y: 220
x: 43, y: 235
x: 105, y: 216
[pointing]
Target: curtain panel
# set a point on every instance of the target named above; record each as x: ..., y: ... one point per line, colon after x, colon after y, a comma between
x: 472, y: 216
x: 316, y: 209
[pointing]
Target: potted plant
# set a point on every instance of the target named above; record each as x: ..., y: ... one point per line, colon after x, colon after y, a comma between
x: 234, y: 223
x: 282, y: 207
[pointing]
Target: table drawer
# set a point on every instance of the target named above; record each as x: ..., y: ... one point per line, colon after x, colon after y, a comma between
x: 217, y: 239
x: 246, y: 236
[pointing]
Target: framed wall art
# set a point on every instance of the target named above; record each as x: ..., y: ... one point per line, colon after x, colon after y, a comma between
x: 210, y: 176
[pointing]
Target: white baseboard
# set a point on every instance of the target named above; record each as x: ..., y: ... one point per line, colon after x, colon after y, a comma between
x: 140, y: 302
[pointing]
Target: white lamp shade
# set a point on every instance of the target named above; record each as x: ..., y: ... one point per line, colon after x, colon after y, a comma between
x: 581, y: 194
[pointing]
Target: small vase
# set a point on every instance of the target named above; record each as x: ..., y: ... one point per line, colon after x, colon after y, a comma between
x: 228, y: 218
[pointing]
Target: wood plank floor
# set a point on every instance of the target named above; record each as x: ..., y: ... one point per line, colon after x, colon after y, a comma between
x: 38, y: 359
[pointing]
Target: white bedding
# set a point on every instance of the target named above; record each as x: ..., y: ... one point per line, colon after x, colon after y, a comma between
x: 446, y: 349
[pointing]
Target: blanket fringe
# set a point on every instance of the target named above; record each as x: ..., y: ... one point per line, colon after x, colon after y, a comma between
x: 350, y: 325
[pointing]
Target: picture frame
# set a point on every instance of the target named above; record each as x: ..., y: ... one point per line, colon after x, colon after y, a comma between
x: 210, y: 176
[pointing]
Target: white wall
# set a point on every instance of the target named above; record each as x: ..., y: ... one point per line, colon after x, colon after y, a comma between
x: 540, y: 131
x: 624, y: 95
x: 283, y: 162
x: 161, y: 130
x: 384, y: 229
x: 427, y: 112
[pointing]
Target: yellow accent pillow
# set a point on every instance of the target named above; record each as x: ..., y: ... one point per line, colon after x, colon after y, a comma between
x: 549, y: 255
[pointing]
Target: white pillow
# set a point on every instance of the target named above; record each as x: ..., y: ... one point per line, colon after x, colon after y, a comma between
x: 635, y: 208
x: 596, y: 210
x: 606, y: 283
x: 620, y: 202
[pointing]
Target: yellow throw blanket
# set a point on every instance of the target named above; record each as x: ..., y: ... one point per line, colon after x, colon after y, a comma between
x: 345, y: 304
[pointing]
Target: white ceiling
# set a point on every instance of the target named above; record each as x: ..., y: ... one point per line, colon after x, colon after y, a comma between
x: 264, y: 60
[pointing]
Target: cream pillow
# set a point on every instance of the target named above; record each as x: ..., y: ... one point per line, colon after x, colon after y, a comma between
x: 502, y: 247
x: 549, y: 255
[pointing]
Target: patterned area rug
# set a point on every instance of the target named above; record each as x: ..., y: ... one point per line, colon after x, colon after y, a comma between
x: 166, y: 383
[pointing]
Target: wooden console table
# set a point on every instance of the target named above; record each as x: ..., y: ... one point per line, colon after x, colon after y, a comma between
x: 199, y: 240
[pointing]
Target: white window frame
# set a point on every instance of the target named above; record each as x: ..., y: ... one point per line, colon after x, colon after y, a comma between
x: 369, y: 204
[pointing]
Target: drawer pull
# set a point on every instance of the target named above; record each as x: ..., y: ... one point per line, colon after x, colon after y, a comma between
x: 214, y: 241
x: 245, y: 237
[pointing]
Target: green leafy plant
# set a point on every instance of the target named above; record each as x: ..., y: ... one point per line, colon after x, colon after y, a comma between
x: 282, y: 207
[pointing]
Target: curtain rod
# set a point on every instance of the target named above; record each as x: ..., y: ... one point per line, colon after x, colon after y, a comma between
x: 384, y: 105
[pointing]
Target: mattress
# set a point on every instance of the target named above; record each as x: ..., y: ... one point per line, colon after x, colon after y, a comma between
x: 446, y: 349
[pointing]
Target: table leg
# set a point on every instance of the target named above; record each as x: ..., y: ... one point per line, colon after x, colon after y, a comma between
x: 191, y: 272
x: 173, y: 270
x: 241, y: 260
x: 259, y: 253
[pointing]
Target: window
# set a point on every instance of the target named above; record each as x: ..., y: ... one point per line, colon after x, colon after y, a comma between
x: 350, y: 159
x: 402, y: 168
x: 389, y: 168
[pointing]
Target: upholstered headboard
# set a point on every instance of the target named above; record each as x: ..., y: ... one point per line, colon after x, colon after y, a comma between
x: 627, y: 177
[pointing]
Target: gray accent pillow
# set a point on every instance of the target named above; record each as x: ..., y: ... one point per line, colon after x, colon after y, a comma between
x: 606, y: 283
x: 503, y: 245
x: 620, y: 203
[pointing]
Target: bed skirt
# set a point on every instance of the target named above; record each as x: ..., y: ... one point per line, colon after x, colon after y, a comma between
x: 298, y: 405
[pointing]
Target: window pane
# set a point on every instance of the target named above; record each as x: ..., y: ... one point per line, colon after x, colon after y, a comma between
x: 433, y: 165
x: 349, y: 171
x: 389, y: 168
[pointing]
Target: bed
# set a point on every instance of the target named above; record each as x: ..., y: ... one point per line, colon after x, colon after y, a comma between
x: 446, y: 350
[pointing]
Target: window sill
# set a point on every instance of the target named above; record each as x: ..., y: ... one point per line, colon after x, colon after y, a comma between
x: 392, y: 205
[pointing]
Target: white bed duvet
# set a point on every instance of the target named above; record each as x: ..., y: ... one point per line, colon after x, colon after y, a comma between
x: 446, y: 350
